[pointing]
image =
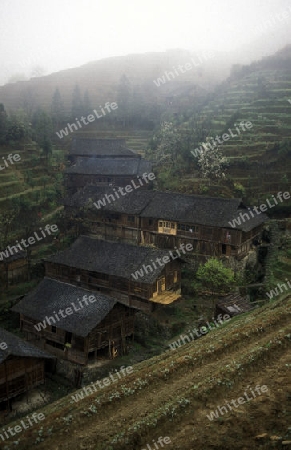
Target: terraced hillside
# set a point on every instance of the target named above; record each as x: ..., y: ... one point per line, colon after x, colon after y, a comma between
x: 35, y: 180
x: 258, y: 93
x: 31, y: 178
x: 173, y: 395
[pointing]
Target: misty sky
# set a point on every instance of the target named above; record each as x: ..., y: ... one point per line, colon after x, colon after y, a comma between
x: 58, y: 34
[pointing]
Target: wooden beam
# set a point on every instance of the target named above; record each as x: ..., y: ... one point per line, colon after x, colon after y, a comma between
x: 6, y: 384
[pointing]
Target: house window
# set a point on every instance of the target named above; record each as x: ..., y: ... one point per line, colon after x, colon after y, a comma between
x: 103, y: 276
x: 65, y: 271
x: 228, y: 237
x: 130, y: 219
x: 54, y: 329
x: 54, y: 344
x: 167, y: 227
x: 111, y: 217
x: 68, y: 337
x: 208, y: 232
x: 188, y: 228
x: 150, y: 221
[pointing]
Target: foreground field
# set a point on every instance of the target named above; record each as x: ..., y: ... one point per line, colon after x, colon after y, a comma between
x: 172, y: 394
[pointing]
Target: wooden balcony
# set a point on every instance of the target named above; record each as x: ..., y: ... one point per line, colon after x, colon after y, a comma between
x: 166, y: 298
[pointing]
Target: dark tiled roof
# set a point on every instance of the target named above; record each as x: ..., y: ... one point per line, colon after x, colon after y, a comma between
x: 52, y: 295
x: 234, y: 304
x: 192, y: 209
x: 110, y: 166
x: 100, y: 147
x: 197, y: 209
x: 131, y: 203
x: 19, y: 255
x: 84, y: 195
x: 18, y: 347
x: 249, y: 224
x: 111, y: 258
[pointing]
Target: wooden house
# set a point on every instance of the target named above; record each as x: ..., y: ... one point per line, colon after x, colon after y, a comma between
x: 13, y: 269
x: 104, y: 162
x: 166, y: 220
x: 99, y: 148
x: 233, y: 304
x: 127, y: 272
x: 73, y: 323
x: 22, y: 366
x: 106, y: 172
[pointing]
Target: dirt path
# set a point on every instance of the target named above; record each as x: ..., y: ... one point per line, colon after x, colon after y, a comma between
x: 51, y: 214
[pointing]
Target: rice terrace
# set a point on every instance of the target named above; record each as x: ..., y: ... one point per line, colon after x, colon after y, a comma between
x: 171, y: 395
x: 145, y: 225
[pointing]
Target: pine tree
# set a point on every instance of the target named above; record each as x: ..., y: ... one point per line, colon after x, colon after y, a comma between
x: 86, y: 103
x: 57, y: 109
x: 124, y: 97
x: 77, y: 103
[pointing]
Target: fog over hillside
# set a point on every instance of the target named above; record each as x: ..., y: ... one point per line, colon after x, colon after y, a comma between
x: 38, y: 38
x: 145, y: 224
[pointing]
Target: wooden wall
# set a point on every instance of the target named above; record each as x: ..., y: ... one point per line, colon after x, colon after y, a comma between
x: 208, y: 241
x: 19, y: 374
x: 16, y: 271
x: 111, y: 284
x: 110, y: 332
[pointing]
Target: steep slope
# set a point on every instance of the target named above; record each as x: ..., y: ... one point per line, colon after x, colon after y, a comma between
x: 172, y: 394
x: 258, y: 93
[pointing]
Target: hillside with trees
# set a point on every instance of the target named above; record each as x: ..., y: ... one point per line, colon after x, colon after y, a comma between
x: 255, y: 161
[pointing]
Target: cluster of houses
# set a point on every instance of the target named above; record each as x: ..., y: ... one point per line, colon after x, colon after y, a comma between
x: 84, y: 309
